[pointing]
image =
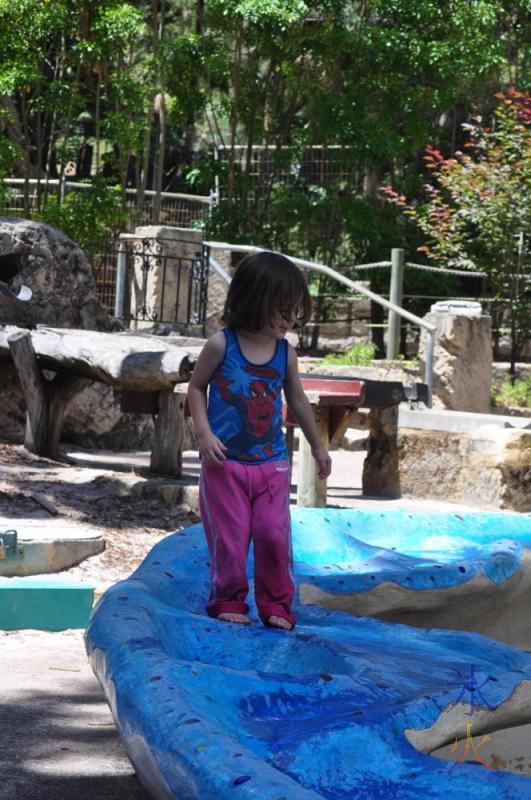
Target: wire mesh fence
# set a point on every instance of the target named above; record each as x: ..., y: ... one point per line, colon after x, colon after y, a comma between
x: 27, y: 198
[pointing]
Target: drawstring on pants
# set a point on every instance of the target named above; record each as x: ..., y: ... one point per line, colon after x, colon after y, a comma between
x: 269, y: 486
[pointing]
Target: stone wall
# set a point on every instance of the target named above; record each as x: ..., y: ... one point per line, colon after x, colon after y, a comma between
x: 488, y: 468
x: 487, y: 464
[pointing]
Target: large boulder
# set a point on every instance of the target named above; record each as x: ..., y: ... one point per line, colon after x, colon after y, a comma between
x: 57, y: 272
x: 95, y: 420
x: 63, y: 295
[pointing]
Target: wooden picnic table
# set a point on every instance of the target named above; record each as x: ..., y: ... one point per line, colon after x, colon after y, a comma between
x: 157, y: 368
x: 335, y: 402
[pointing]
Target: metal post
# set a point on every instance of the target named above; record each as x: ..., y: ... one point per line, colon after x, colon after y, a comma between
x: 395, y: 297
x: 121, y: 271
x: 428, y: 366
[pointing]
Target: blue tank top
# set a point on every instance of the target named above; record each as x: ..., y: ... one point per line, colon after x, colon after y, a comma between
x: 245, y: 403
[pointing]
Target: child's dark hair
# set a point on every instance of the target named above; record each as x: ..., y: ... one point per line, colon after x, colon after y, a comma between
x: 263, y: 283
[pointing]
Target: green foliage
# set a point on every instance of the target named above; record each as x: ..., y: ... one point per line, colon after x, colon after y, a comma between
x: 260, y: 12
x: 510, y: 394
x: 374, y: 80
x: 90, y: 217
x: 117, y: 24
x: 360, y: 354
x: 186, y: 60
x: 478, y: 212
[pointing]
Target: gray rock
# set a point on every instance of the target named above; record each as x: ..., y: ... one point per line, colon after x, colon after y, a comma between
x: 63, y: 295
x: 57, y: 272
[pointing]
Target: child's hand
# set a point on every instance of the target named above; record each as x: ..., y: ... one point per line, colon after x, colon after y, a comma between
x: 211, y: 449
x: 324, y: 461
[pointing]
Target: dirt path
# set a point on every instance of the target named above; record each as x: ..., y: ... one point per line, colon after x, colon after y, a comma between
x: 131, y: 522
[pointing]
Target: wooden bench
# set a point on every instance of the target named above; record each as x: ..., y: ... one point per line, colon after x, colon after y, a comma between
x: 336, y: 402
x: 127, y: 361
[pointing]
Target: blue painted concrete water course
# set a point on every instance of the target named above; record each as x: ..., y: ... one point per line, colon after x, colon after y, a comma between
x: 212, y: 710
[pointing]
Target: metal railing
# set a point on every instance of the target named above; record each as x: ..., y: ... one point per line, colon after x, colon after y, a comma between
x: 176, y: 209
x: 395, y: 310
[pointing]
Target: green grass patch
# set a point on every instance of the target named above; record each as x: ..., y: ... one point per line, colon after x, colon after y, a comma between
x: 513, y: 394
x: 360, y: 354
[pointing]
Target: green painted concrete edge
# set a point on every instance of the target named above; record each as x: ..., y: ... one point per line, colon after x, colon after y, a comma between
x: 44, y: 603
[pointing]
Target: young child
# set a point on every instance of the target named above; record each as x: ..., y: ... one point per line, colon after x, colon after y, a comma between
x: 245, y: 480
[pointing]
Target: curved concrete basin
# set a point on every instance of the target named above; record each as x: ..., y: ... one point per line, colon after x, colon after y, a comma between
x: 342, y: 707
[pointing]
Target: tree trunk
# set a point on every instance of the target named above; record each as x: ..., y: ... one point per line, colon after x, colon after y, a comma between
x: 160, y: 157
x: 97, y: 115
x: 66, y: 138
x: 159, y: 11
x: 26, y: 151
x: 144, y: 170
x: 236, y: 79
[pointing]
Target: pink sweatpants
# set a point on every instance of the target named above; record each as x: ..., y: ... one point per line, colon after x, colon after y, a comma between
x: 240, y: 501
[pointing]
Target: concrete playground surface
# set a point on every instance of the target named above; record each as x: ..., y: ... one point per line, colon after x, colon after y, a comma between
x: 57, y: 735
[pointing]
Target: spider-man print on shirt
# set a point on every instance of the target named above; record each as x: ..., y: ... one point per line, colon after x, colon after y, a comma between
x: 245, y: 404
x: 256, y: 408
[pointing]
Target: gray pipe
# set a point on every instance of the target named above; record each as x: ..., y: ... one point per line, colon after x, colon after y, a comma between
x: 121, y: 272
x: 395, y: 296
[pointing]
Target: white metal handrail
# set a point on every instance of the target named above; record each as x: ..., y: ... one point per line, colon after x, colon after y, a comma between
x: 355, y: 286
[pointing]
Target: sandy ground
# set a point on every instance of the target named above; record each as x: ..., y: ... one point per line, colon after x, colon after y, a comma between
x: 57, y: 736
x: 91, y: 493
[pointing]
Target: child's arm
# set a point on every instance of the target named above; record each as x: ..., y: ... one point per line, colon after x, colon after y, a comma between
x: 302, y: 411
x: 210, y: 447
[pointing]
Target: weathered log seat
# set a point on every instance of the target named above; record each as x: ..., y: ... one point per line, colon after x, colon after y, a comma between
x: 127, y: 361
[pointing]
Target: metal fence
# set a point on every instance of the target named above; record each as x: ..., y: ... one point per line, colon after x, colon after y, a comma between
x: 176, y: 209
x: 143, y: 279
x: 104, y: 262
x: 312, y: 164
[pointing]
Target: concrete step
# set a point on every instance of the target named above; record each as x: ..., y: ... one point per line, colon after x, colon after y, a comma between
x: 45, y: 602
x: 46, y: 546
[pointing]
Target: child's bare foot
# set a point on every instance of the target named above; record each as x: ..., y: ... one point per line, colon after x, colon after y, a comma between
x: 279, y: 622
x: 240, y: 619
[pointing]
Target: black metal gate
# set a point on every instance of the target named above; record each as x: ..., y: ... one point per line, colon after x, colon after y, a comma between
x: 159, y: 286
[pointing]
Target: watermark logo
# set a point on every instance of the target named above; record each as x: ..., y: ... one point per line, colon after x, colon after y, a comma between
x: 470, y: 685
x: 469, y: 743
